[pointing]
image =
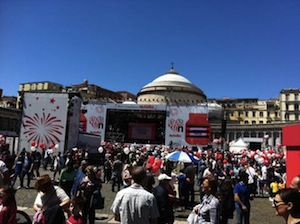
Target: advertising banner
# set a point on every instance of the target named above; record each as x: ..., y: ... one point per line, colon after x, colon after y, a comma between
x: 187, y: 126
x: 43, y: 121
x: 92, y: 119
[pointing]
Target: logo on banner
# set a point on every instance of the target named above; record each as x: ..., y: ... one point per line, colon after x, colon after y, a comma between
x: 176, y: 125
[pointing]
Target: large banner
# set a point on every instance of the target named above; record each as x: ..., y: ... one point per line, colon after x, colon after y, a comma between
x: 43, y: 120
x: 92, y: 119
x: 187, y: 126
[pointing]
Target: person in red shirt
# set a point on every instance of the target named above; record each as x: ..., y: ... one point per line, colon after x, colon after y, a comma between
x: 76, y: 207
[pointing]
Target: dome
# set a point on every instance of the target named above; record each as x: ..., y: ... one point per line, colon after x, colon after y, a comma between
x: 169, y: 79
x: 171, y: 85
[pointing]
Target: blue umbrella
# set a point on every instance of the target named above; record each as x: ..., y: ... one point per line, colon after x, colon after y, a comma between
x: 180, y: 156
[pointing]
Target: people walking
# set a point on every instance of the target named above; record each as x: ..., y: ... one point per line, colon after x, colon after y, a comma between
x: 37, y: 161
x: 80, y: 174
x: 26, y: 170
x: 107, y: 169
x: 67, y: 178
x: 58, y: 165
x: 190, y: 173
x: 117, y: 168
x: 87, y: 187
x: 48, y: 158
x: 242, y: 199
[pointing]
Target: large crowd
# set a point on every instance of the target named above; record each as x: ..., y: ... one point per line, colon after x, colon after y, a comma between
x: 226, y: 183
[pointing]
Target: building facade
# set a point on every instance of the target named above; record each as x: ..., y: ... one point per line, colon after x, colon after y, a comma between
x: 289, y: 105
x: 44, y: 86
x: 245, y: 117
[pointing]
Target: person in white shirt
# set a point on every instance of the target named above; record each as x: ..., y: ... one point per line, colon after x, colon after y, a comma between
x: 252, y: 178
x: 134, y: 204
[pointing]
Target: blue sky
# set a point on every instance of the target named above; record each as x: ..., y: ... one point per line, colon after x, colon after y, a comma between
x: 232, y: 48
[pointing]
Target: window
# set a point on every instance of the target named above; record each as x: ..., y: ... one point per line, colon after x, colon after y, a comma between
x: 296, y: 96
x: 246, y: 114
x: 33, y: 86
x: 287, y: 96
x: 261, y: 114
x: 246, y: 122
x: 254, y: 114
x: 261, y: 122
x: 287, y: 116
x: 253, y: 122
x: 296, y: 106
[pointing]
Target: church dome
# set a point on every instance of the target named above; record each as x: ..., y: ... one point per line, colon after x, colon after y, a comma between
x: 169, y: 87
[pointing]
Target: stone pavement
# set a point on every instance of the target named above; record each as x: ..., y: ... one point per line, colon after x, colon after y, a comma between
x: 25, y: 198
x: 100, y: 218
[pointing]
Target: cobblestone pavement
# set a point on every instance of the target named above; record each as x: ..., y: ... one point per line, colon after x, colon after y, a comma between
x: 25, y: 198
x: 261, y: 207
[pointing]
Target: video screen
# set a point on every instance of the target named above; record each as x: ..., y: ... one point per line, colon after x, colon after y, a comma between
x: 141, y: 131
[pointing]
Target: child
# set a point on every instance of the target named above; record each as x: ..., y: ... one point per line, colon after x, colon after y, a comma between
x: 76, y: 207
x: 8, y: 205
x: 274, y: 187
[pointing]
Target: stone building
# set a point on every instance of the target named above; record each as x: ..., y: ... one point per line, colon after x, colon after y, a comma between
x: 243, y: 117
x: 171, y: 88
x: 43, y: 86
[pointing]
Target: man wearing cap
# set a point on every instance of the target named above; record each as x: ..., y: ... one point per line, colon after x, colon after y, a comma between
x: 164, y: 199
x: 134, y: 204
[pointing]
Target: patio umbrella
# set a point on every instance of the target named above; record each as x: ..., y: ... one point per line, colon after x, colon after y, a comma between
x: 180, y: 156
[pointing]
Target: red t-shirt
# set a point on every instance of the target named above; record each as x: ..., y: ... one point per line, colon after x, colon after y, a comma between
x: 72, y: 220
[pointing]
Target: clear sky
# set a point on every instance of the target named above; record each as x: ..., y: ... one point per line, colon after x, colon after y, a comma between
x: 228, y: 48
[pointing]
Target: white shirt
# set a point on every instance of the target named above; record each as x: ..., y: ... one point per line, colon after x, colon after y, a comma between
x: 251, y: 172
x: 264, y: 172
x: 52, y: 198
x: 135, y: 205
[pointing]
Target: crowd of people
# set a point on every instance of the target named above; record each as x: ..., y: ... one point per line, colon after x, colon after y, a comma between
x: 225, y: 182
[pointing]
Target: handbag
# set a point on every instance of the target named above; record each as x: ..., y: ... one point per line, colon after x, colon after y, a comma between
x: 39, y: 218
x: 192, y: 218
x: 97, y: 201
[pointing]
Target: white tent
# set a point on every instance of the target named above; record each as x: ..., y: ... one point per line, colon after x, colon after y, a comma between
x: 238, y: 146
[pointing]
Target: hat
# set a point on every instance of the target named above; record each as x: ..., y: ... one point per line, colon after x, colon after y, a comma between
x: 163, y: 176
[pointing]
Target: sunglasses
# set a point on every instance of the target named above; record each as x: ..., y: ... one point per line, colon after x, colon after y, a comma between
x: 277, y: 203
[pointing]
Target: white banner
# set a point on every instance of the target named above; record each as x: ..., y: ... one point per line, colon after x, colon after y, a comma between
x: 93, y: 120
x: 187, y: 126
x: 43, y: 120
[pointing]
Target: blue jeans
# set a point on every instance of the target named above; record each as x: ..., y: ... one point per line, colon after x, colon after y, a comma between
x: 242, y: 215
